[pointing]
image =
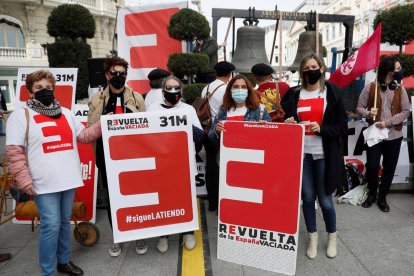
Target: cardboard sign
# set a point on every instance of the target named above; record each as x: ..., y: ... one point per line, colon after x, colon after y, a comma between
x: 201, y: 160
x: 260, y: 184
x: 88, y: 192
x: 150, y: 161
x: 357, y: 154
x: 65, y: 89
x: 144, y: 42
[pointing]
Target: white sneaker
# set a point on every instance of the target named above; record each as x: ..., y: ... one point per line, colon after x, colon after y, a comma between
x: 162, y: 245
x: 115, y: 250
x: 189, y: 241
x: 141, y: 247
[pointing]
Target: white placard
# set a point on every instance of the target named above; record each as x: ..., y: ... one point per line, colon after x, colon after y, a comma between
x: 150, y: 161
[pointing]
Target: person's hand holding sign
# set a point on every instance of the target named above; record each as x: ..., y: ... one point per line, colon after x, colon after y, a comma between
x: 219, y: 127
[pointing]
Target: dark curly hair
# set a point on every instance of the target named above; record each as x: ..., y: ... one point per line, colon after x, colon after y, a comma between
x: 114, y: 61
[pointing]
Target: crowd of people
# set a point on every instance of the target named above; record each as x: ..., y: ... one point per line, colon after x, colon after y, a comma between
x: 315, y: 103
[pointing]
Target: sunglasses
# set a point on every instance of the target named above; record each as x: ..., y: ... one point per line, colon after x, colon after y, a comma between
x: 170, y: 88
x: 392, y: 86
x: 117, y: 73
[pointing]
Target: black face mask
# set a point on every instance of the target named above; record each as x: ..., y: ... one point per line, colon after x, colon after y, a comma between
x: 398, y: 76
x: 45, y: 96
x: 312, y: 76
x: 172, y: 98
x: 118, y: 81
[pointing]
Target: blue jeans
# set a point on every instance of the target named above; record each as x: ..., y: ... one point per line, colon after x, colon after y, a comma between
x: 55, y: 210
x: 313, y: 184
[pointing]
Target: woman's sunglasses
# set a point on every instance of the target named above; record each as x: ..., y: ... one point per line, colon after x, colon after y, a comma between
x: 170, y: 88
x: 117, y: 73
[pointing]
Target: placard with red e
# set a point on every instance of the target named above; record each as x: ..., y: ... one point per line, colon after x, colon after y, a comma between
x: 150, y: 164
x: 260, y: 182
x: 144, y: 42
x: 65, y: 88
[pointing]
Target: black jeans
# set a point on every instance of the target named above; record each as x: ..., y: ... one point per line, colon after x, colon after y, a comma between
x: 212, y: 172
x: 390, y: 151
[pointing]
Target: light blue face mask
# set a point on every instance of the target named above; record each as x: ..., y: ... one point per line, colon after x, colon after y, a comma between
x: 239, y: 95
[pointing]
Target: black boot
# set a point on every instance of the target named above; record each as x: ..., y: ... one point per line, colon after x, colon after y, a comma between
x: 69, y: 268
x: 383, y: 205
x: 368, y: 202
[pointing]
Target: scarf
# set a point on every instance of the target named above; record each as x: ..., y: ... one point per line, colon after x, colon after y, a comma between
x: 53, y: 111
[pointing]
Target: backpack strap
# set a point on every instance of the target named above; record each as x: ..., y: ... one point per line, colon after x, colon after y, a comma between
x: 209, y: 95
x: 26, y: 113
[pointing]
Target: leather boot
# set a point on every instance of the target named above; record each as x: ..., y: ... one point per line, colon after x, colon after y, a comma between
x: 69, y: 268
x: 331, y: 248
x: 383, y: 205
x: 312, y: 246
x: 368, y: 202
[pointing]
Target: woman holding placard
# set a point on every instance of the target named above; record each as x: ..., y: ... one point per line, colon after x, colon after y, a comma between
x: 317, y: 104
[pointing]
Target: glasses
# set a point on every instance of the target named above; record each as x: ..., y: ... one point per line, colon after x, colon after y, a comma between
x: 117, y: 73
x: 170, y: 88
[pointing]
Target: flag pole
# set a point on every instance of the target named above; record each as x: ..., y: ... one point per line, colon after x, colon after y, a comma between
x: 376, y: 92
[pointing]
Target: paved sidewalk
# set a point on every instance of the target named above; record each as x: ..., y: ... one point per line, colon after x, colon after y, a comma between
x: 370, y: 243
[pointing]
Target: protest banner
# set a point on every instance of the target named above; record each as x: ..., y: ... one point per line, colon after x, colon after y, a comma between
x: 357, y: 153
x: 65, y: 89
x: 201, y: 160
x: 144, y: 42
x: 150, y: 161
x: 259, y: 197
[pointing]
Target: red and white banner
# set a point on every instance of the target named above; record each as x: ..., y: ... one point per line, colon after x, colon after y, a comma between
x: 144, y: 42
x: 87, y: 193
x: 65, y: 89
x: 150, y: 163
x: 260, y: 186
x: 358, y: 156
x: 361, y: 61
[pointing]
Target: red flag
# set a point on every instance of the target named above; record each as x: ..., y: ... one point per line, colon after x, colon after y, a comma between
x: 361, y: 61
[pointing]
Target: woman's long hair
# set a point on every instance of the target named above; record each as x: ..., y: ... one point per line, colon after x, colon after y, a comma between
x: 387, y: 64
x: 252, y: 101
x: 321, y: 65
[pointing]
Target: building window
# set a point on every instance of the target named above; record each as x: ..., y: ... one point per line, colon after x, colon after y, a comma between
x: 333, y: 31
x: 276, y: 59
x: 11, y: 36
x: 327, y: 34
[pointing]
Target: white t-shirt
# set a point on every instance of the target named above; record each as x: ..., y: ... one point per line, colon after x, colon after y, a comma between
x: 53, y: 157
x: 153, y: 96
x: 216, y: 101
x: 311, y: 108
x: 236, y: 114
x: 179, y: 106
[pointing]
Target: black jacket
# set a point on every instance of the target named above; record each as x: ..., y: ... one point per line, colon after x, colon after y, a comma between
x: 3, y: 101
x: 334, y: 126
